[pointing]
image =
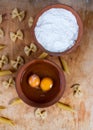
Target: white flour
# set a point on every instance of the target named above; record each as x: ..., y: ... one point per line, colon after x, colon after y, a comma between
x: 56, y: 30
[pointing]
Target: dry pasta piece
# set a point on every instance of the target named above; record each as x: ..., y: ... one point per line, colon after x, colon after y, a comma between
x: 42, y: 114
x: 29, y: 49
x: 4, y: 60
x: 1, y: 18
x: 2, y: 47
x: 76, y: 90
x: 15, y: 101
x: 1, y: 33
x: 65, y: 66
x: 2, y: 107
x: 65, y: 107
x: 18, y: 62
x: 30, y: 22
x: 5, y: 72
x: 6, y: 121
x: 10, y: 82
x: 43, y: 55
x: 19, y: 14
x: 17, y: 35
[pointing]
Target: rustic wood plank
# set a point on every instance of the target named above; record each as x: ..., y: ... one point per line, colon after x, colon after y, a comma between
x: 80, y: 63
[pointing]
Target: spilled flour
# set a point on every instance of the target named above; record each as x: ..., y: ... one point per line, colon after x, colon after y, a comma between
x: 56, y: 30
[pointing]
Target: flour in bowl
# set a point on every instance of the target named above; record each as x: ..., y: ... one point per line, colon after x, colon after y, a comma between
x: 56, y: 30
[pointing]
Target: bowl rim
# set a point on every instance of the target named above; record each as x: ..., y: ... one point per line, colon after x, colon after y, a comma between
x: 79, y: 21
x: 27, y: 100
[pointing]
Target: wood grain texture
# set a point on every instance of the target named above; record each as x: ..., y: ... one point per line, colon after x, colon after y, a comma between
x: 80, y: 63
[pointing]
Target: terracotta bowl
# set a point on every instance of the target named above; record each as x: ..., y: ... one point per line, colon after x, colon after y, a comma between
x: 77, y: 42
x: 38, y: 98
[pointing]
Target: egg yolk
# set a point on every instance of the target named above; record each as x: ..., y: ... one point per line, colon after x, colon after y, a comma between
x: 34, y: 81
x: 46, y: 84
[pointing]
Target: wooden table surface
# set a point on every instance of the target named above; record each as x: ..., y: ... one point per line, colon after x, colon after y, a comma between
x: 80, y: 63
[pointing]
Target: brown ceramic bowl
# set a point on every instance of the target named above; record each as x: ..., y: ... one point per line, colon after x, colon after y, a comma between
x: 36, y: 97
x: 77, y: 43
